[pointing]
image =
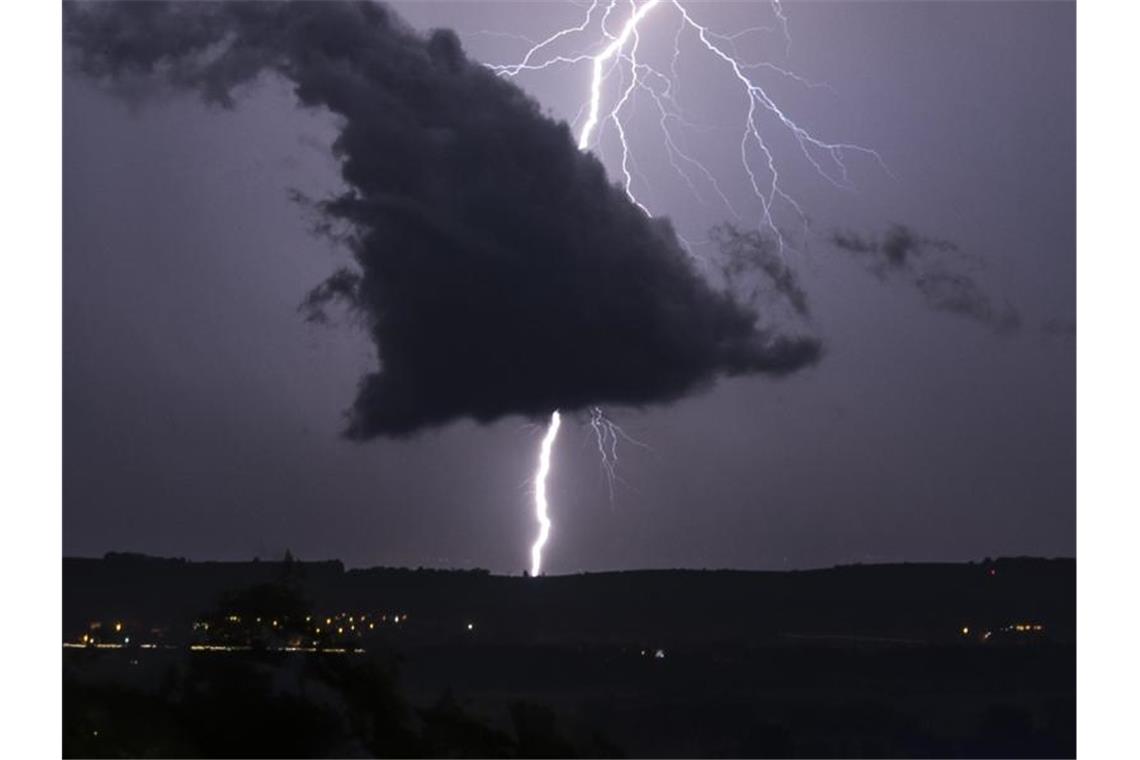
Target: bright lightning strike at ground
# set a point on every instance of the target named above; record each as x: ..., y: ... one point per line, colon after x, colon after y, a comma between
x: 607, y: 433
x: 541, y: 506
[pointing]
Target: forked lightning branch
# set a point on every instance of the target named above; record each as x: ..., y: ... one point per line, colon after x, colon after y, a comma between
x: 609, y: 38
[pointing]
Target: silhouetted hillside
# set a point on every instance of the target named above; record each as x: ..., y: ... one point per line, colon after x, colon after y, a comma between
x: 922, y: 602
x: 970, y: 660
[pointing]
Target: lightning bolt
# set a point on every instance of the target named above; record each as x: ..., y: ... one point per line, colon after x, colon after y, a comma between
x: 607, y: 434
x: 599, y: 62
x: 619, y: 53
x: 612, y: 53
x: 541, y: 506
x: 607, y: 447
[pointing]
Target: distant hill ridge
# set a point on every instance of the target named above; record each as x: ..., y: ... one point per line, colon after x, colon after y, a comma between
x: 927, y: 601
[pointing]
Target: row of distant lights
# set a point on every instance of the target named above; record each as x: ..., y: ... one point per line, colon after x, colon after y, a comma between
x: 90, y: 640
x: 339, y: 620
x: 1015, y: 628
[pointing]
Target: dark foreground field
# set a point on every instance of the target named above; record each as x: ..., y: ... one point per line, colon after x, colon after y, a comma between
x: 861, y: 661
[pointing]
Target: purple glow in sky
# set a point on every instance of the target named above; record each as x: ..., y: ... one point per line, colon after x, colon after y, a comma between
x: 201, y: 414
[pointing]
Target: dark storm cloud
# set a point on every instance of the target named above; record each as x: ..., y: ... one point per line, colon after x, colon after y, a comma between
x: 745, y: 253
x: 498, y: 271
x: 899, y: 249
x: 935, y: 268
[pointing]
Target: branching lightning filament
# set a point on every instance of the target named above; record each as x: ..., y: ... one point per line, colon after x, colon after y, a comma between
x: 619, y: 53
x: 608, y: 53
x: 606, y: 433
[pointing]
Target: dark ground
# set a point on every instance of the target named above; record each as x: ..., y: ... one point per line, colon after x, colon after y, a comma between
x: 853, y: 661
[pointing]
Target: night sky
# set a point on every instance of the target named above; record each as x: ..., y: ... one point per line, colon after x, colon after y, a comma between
x: 204, y: 417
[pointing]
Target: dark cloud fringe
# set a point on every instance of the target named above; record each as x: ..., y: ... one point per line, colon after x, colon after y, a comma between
x: 922, y: 262
x: 497, y: 269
